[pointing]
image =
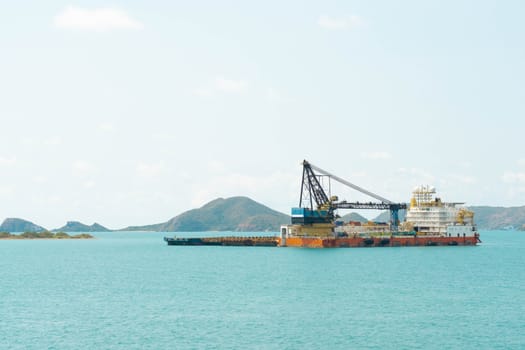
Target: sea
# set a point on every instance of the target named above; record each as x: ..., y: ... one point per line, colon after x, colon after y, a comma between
x: 129, y: 290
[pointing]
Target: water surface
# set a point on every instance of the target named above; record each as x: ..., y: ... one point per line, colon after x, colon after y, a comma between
x: 130, y: 290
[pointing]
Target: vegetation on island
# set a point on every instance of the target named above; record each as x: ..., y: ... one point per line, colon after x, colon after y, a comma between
x: 75, y: 226
x: 19, y: 225
x: 246, y: 215
x: 485, y: 217
x: 231, y: 214
x: 44, y: 235
x: 497, y: 218
x: 355, y: 217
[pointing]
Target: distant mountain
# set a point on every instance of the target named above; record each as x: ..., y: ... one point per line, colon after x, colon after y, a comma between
x: 491, y: 218
x: 230, y: 214
x: 353, y: 217
x: 244, y: 214
x: 486, y: 218
x: 19, y: 225
x: 385, y: 216
x: 146, y: 228
x: 75, y: 226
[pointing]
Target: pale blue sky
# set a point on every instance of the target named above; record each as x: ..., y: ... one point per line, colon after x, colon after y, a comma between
x: 130, y: 112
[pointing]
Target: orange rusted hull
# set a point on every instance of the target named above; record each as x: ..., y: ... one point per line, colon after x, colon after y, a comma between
x: 326, y: 242
x: 392, y: 241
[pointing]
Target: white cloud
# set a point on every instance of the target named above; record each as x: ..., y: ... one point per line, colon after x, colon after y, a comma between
x: 260, y: 188
x: 39, y: 179
x: 149, y: 169
x: 272, y: 95
x: 53, y: 141
x: 7, y: 161
x: 417, y: 175
x: 89, y: 184
x: 423, y: 177
x: 465, y: 179
x: 221, y: 85
x: 99, y: 19
x: 82, y: 167
x: 521, y: 162
x: 515, y: 185
x: 332, y: 23
x: 376, y: 155
x: 215, y: 166
x: 106, y: 127
x: 203, y: 92
x: 512, y: 177
x: 42, y: 142
x: 6, y: 190
x: 54, y: 199
x: 230, y: 86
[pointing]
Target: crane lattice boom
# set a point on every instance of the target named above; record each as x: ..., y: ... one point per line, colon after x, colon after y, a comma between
x: 311, y: 190
x: 349, y: 184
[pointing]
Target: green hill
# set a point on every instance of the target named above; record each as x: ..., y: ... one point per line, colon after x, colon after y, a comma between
x: 244, y: 214
x: 75, y: 226
x: 230, y: 214
x: 353, y: 217
x: 491, y: 218
x: 145, y: 228
x: 385, y: 216
x: 19, y: 225
x: 486, y: 218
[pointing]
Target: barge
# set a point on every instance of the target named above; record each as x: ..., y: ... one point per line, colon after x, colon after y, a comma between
x: 264, y: 241
x: 383, y: 241
x: 428, y: 222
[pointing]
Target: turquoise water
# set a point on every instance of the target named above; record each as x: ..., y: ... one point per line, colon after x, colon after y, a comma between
x: 131, y: 291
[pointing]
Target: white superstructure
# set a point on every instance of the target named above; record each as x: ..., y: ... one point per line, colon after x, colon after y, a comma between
x: 428, y: 215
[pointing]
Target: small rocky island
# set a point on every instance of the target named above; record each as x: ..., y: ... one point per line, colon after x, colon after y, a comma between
x: 44, y: 235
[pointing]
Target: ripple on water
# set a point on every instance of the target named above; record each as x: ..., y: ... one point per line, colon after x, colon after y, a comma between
x: 131, y: 291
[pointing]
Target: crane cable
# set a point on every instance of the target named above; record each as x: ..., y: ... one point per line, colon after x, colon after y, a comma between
x: 349, y: 184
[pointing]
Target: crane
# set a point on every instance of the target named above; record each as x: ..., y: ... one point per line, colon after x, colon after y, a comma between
x: 312, y: 192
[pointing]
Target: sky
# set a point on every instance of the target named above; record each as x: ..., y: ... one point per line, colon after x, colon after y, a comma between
x: 132, y: 112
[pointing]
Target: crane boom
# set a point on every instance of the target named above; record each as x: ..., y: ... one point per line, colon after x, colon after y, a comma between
x: 311, y: 190
x: 349, y: 184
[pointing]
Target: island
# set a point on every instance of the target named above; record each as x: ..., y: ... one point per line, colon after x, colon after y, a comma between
x: 44, y: 235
